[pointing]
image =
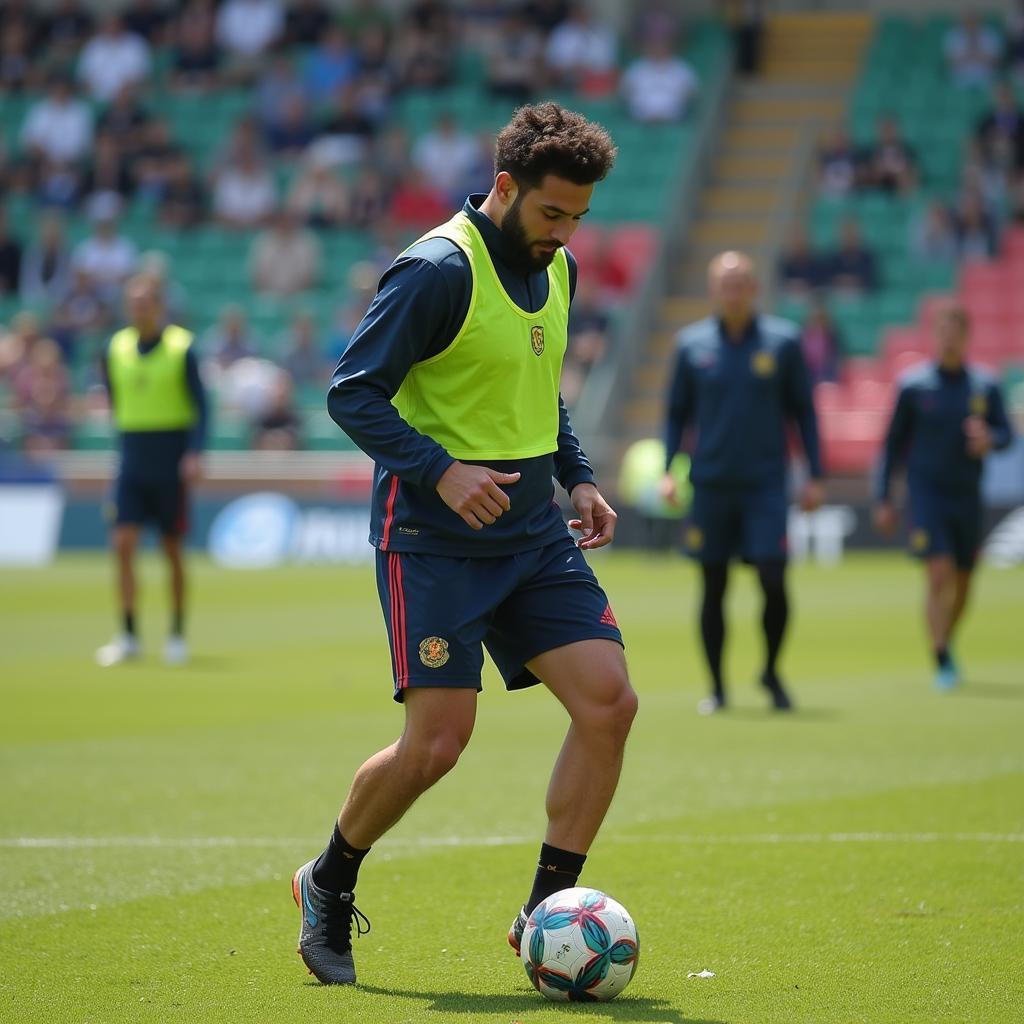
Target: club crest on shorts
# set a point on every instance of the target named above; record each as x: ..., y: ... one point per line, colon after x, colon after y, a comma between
x: 537, y: 339
x: 979, y: 405
x: 695, y: 538
x: 434, y: 651
x: 763, y: 363
x: 919, y: 540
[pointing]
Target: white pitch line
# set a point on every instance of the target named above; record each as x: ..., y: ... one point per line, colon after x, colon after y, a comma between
x: 424, y: 842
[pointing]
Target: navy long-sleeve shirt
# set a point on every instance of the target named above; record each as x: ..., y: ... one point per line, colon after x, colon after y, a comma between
x: 927, y: 428
x: 156, y: 454
x: 420, y: 306
x: 739, y: 395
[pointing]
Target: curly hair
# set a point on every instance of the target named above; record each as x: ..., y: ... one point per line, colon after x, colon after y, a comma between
x: 548, y: 139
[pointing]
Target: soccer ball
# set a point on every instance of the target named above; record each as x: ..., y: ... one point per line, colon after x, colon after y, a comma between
x: 580, y: 945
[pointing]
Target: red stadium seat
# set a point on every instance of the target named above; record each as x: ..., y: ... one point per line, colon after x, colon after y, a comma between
x: 1013, y: 245
x: 632, y: 248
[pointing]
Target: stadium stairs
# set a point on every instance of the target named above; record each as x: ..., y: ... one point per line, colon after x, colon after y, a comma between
x: 755, y: 185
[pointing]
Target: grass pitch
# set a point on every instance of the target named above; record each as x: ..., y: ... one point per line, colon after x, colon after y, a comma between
x: 859, y: 860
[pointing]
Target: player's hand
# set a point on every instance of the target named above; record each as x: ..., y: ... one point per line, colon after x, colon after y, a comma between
x: 812, y: 496
x: 190, y: 469
x: 884, y: 516
x: 979, y: 437
x: 596, y: 517
x: 473, y: 492
x: 668, y: 489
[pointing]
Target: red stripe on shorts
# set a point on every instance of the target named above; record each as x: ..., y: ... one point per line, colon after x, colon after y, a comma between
x: 403, y: 676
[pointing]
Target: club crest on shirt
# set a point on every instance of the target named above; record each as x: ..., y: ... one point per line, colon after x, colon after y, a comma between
x: 979, y: 405
x: 434, y: 651
x: 695, y: 538
x: 762, y: 363
x: 919, y: 540
x: 537, y: 339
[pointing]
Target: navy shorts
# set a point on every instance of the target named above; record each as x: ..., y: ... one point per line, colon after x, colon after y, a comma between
x: 161, y: 502
x: 749, y: 522
x: 945, y: 524
x: 441, y: 612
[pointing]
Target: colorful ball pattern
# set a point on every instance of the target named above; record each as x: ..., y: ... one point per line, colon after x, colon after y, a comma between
x: 580, y: 945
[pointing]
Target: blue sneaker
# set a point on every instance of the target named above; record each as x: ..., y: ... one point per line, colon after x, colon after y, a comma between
x: 325, y: 937
x: 947, y: 677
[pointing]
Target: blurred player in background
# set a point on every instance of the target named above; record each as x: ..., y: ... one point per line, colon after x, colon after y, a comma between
x: 948, y: 416
x: 739, y: 377
x: 451, y: 384
x: 159, y: 409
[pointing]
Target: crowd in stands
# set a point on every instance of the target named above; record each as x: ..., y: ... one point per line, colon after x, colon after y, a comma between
x: 954, y: 229
x: 317, y: 149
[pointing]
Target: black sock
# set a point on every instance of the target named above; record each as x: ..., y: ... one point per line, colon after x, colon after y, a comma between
x: 556, y: 870
x: 942, y: 657
x: 775, y: 614
x: 178, y: 624
x: 129, y: 623
x: 337, y: 867
x: 712, y: 622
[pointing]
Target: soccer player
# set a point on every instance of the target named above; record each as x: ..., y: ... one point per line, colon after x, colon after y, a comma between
x: 159, y: 408
x: 739, y: 377
x: 948, y: 416
x: 451, y: 384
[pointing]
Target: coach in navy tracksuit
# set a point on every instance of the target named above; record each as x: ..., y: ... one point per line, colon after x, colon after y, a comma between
x: 739, y: 377
x: 948, y: 417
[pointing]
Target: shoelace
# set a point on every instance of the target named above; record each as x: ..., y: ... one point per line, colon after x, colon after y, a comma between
x: 338, y: 926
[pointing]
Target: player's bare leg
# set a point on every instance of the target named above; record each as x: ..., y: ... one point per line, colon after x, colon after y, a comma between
x: 124, y: 646
x: 940, y: 606
x: 590, y: 680
x: 438, y: 725
x: 175, y: 651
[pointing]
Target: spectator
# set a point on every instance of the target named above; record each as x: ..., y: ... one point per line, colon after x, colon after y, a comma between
x: 58, y: 127
x: 423, y: 50
x: 481, y: 24
x: 1015, y: 195
x: 244, y: 195
x: 112, y: 58
x: 183, y: 200
x: 362, y: 286
x: 369, y: 200
x: 16, y: 344
x: 445, y: 155
x: 318, y: 197
x: 659, y: 86
x: 67, y: 26
x: 301, y: 355
x: 16, y: 65
x: 107, y: 257
x: 933, y: 235
x: 588, y: 338
x: 81, y: 310
x: 1014, y: 32
x: 890, y: 163
x: 581, y: 53
x: 546, y: 15
x: 346, y: 132
x: 989, y: 180
x: 147, y: 19
x: 821, y: 343
x: 245, y: 142
x: 107, y: 172
x: 42, y: 399
x: 972, y: 51
x: 230, y: 340
x: 975, y: 229
x: 416, y: 204
x: 196, y: 61
x: 1000, y: 132
x: 801, y: 271
x: 246, y: 29
x: 285, y: 258
x: 332, y: 64
x: 279, y: 427
x: 155, y: 160
x: 852, y: 266
x: 376, y: 80
x: 10, y: 257
x: 294, y: 132
x: 305, y: 22
x: 126, y: 119
x: 838, y: 166
x: 46, y: 263
x: 280, y: 83
x: 515, y: 65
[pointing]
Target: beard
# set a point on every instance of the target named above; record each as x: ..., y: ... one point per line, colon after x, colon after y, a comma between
x: 520, y: 250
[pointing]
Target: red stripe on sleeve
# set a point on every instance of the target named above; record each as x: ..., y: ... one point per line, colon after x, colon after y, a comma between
x: 389, y: 514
